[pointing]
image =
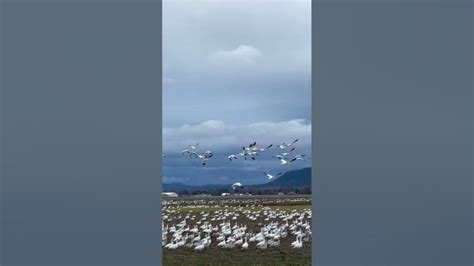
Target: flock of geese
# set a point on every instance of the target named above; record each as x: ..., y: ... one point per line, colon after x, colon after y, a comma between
x: 222, y: 228
x: 250, y: 152
x: 225, y: 228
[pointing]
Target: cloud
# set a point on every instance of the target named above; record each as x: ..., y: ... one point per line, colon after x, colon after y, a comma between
x: 218, y: 136
x: 246, y: 54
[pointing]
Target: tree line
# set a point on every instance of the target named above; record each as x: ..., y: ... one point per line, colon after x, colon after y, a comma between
x: 246, y: 190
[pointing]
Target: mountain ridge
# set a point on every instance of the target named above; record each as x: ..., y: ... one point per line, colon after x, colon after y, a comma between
x: 293, y: 178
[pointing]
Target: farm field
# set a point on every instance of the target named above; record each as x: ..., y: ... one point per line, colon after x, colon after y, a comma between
x: 222, y: 225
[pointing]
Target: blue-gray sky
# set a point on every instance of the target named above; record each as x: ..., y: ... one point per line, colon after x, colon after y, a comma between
x: 233, y: 73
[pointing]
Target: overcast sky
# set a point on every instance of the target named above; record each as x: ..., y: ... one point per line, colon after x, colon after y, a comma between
x: 233, y: 73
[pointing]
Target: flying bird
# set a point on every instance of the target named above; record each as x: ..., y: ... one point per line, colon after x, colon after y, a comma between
x: 264, y: 149
x: 285, y: 145
x: 299, y: 157
x: 285, y: 161
x: 205, y: 157
x: 194, y: 146
x: 237, y: 185
x: 287, y: 153
x: 270, y: 177
x: 191, y: 153
x: 232, y: 157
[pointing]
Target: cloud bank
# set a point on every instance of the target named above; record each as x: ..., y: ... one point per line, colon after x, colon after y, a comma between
x: 246, y: 54
x: 220, y: 137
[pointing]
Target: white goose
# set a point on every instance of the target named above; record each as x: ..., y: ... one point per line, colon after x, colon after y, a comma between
x: 191, y: 153
x: 193, y: 147
x: 285, y: 161
x: 245, y: 245
x: 299, y: 243
x: 299, y: 157
x: 287, y: 153
x: 285, y: 145
x: 199, y: 247
x: 205, y: 157
x: 262, y: 244
x: 270, y: 177
x: 232, y: 157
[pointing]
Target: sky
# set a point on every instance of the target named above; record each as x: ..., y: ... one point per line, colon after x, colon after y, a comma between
x: 234, y: 72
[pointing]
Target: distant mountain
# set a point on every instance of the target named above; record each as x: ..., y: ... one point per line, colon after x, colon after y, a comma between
x: 176, y: 186
x: 295, y: 178
x: 181, y: 186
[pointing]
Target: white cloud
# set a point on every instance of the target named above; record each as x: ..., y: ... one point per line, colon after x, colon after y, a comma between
x: 221, y: 137
x: 246, y: 54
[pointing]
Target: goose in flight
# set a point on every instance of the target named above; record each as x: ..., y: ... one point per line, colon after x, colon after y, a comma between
x: 237, y: 185
x: 193, y: 147
x: 285, y: 145
x: 190, y: 152
x: 266, y: 148
x: 252, y: 150
x: 247, y: 152
x: 270, y: 177
x: 232, y: 157
x: 287, y: 153
x: 205, y: 157
x: 253, y: 147
x: 299, y: 157
x: 285, y: 161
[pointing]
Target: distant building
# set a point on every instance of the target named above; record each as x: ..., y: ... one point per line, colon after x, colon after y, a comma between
x: 169, y: 195
x: 225, y: 194
x: 281, y: 193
